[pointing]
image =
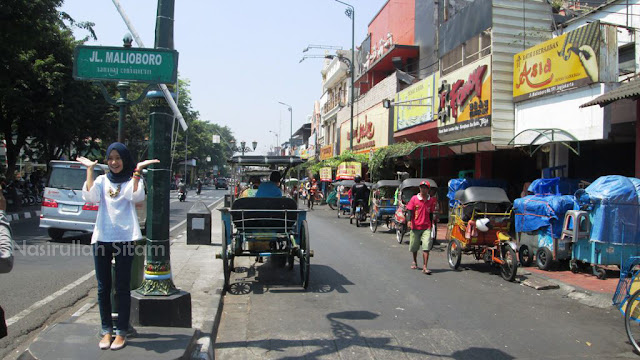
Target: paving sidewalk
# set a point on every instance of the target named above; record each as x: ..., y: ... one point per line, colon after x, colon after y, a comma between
x: 25, y: 213
x: 195, y: 270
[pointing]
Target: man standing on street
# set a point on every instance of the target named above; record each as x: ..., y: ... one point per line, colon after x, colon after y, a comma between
x: 420, y: 207
x: 6, y: 253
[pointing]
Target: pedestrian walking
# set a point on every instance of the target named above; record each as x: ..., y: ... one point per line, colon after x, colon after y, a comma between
x: 115, y: 231
x: 420, y: 207
x: 6, y: 253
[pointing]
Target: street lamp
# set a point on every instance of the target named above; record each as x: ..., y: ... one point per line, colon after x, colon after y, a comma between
x: 243, y: 148
x: 351, y: 13
x: 277, y: 137
x: 291, y: 136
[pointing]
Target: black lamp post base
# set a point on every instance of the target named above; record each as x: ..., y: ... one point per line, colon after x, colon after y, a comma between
x: 170, y: 311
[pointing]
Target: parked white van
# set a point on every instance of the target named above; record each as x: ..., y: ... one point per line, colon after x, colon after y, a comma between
x: 63, y: 208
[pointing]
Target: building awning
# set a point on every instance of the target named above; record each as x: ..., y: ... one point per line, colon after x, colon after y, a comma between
x: 630, y: 90
x: 385, y: 63
x: 537, y: 138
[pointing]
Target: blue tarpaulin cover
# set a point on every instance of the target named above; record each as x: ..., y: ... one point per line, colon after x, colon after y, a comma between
x: 461, y: 184
x: 613, y: 203
x: 554, y: 186
x: 534, y: 212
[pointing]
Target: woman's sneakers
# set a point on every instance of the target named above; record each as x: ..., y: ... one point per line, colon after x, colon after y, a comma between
x: 105, y: 343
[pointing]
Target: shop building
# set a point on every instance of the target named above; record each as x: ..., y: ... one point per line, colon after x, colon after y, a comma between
x: 581, y: 68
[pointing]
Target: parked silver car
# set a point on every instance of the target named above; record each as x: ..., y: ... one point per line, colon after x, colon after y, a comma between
x: 63, y: 208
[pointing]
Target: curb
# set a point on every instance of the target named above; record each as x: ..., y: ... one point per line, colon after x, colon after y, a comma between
x: 22, y: 215
x: 583, y: 296
x: 206, y: 336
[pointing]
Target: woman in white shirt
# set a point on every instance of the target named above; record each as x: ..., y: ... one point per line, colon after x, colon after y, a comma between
x: 114, y: 234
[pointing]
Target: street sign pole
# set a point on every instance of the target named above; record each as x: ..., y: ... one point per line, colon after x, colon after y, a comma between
x: 158, y: 302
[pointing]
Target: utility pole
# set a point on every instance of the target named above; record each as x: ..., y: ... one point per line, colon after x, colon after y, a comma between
x: 157, y: 302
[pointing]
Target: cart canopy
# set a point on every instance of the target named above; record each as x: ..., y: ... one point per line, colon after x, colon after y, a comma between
x: 456, y: 185
x: 554, y: 186
x: 256, y: 160
x: 415, y: 182
x: 539, y: 212
x: 613, y: 203
x: 491, y: 195
x: 386, y: 183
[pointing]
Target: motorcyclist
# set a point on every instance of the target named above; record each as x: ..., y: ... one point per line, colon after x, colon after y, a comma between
x: 182, y: 188
x: 359, y: 191
x: 198, y: 186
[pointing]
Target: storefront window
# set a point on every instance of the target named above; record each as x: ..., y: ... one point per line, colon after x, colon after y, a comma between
x: 471, y: 50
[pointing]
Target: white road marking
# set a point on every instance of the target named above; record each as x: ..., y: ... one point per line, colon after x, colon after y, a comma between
x: 49, y: 298
x: 83, y: 309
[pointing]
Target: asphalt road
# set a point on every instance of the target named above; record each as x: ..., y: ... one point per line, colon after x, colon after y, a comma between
x: 49, y: 277
x: 364, y: 302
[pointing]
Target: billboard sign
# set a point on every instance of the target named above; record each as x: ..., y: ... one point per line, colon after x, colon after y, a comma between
x: 416, y: 104
x: 325, y: 174
x: 465, y: 98
x: 563, y: 63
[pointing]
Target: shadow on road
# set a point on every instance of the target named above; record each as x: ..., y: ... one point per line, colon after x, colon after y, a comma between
x: 276, y: 278
x: 345, y: 336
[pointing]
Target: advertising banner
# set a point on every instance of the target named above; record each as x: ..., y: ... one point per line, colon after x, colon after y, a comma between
x: 566, y: 62
x: 465, y: 98
x: 416, y: 104
x: 326, y: 152
x: 325, y: 174
x: 348, y: 170
x: 370, y: 130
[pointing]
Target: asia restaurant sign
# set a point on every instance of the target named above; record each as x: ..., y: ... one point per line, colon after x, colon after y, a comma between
x: 563, y: 63
x: 464, y: 98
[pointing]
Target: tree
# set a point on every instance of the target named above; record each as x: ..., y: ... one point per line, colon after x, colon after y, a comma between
x: 40, y: 103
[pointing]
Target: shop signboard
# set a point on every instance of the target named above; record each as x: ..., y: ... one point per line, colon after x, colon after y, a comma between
x: 326, y: 152
x: 563, y: 63
x: 370, y: 130
x: 416, y: 104
x: 465, y: 99
x: 325, y: 174
x: 348, y: 170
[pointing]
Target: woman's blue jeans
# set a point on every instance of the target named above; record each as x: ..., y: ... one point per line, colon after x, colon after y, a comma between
x: 123, y: 252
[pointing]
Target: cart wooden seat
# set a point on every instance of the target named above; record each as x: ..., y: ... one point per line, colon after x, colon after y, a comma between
x: 253, y: 213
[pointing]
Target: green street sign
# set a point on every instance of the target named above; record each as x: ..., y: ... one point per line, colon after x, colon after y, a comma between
x: 125, y: 64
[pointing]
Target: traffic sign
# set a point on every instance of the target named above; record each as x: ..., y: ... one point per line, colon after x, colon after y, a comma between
x: 125, y: 64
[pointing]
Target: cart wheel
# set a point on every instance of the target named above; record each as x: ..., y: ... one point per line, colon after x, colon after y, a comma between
x: 399, y: 234
x: 601, y: 274
x: 631, y: 316
x: 227, y: 259
x: 304, y: 254
x: 373, y: 222
x: 338, y: 210
x: 509, y: 268
x: 454, y: 253
x: 331, y: 206
x: 573, y: 266
x: 544, y: 258
x: 525, y: 256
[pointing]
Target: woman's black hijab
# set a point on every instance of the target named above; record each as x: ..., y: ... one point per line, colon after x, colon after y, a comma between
x: 127, y: 163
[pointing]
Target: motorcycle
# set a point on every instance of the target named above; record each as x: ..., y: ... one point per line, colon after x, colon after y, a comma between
x: 182, y: 195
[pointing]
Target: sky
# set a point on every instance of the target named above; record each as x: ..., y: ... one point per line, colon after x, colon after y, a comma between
x: 241, y: 57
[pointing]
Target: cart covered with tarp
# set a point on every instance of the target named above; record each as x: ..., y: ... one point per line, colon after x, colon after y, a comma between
x: 456, y: 185
x: 538, y: 225
x: 607, y: 216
